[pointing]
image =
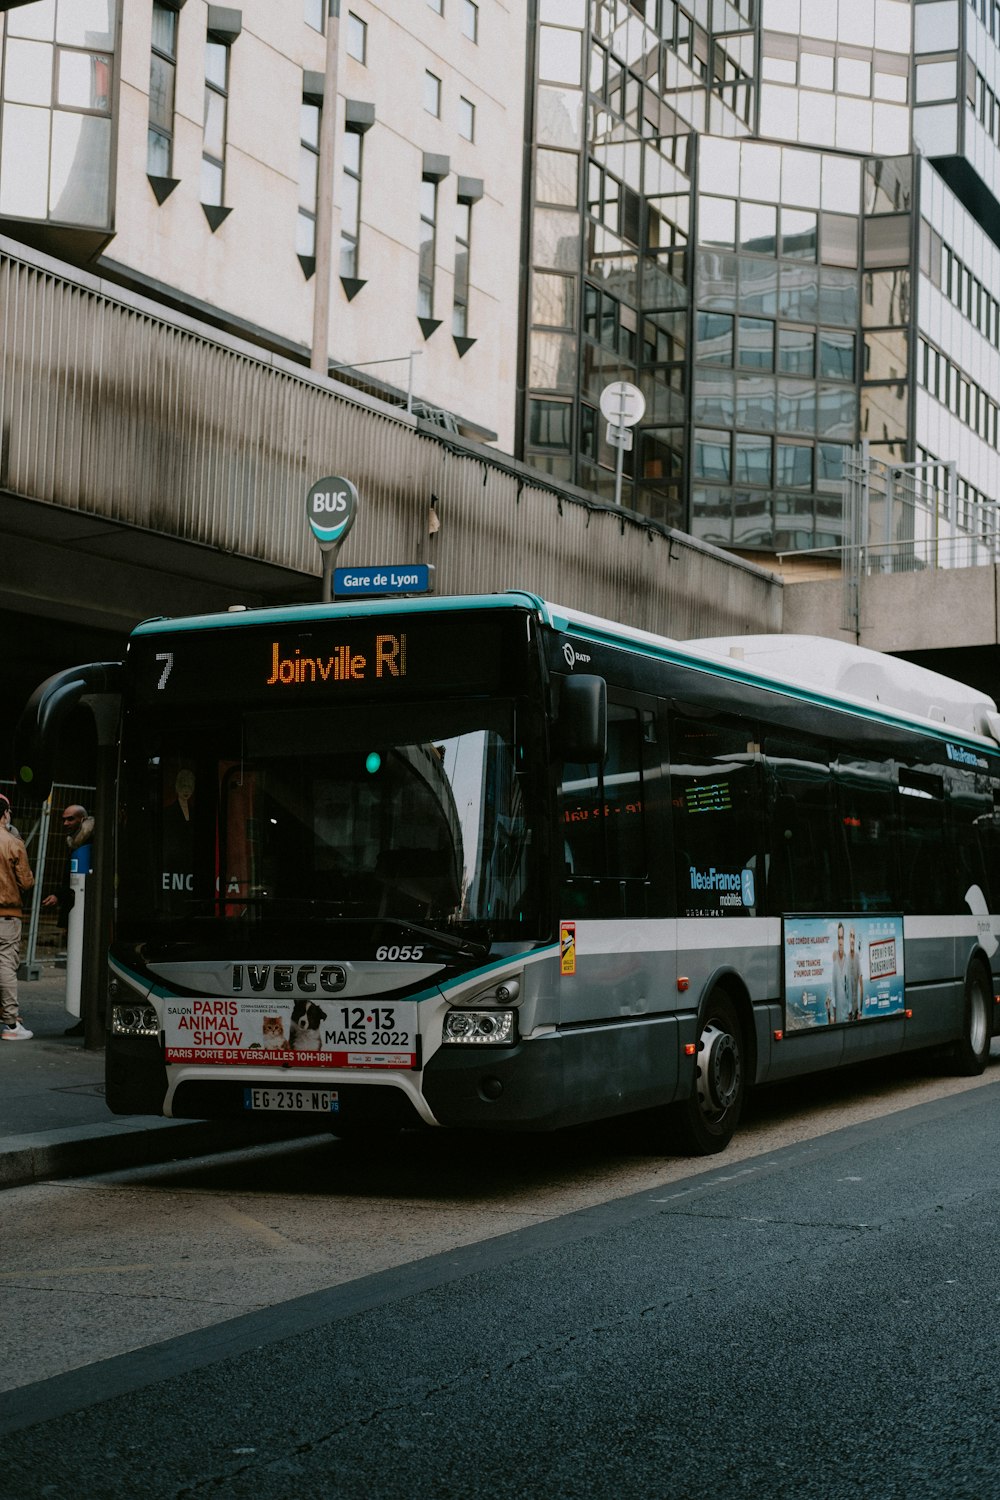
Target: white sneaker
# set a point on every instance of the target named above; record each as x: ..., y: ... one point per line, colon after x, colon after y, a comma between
x: 15, y: 1033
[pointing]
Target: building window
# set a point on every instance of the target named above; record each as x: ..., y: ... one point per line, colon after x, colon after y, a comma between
x: 470, y: 20
x: 350, y: 207
x: 213, y: 153
x: 428, y: 236
x: 162, y: 75
x: 357, y: 38
x: 314, y: 12
x: 550, y: 424
x: 55, y: 144
x: 467, y: 119
x: 432, y: 95
x: 305, y: 229
x: 460, y: 307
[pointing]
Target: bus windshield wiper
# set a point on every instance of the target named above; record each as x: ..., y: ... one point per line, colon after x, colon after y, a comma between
x: 326, y: 910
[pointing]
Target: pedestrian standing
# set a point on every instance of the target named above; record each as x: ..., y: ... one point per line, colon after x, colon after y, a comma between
x: 16, y: 880
x: 78, y: 826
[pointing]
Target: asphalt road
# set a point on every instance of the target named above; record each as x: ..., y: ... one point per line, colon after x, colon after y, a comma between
x: 815, y: 1317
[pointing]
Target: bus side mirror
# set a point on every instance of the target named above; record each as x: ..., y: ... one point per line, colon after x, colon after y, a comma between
x: 36, y: 735
x: 582, y: 720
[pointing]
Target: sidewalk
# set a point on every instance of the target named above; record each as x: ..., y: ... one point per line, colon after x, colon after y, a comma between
x: 53, y: 1119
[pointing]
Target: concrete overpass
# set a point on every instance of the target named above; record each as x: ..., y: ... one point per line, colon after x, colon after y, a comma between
x: 944, y: 618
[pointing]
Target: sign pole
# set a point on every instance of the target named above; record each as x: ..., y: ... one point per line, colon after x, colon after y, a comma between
x: 622, y: 405
x: 331, y: 506
x: 329, y: 563
x: 620, y: 459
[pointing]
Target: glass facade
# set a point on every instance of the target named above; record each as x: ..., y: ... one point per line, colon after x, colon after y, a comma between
x: 777, y: 332
x: 726, y: 211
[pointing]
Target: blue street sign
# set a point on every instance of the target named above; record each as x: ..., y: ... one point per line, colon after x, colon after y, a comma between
x: 387, y: 578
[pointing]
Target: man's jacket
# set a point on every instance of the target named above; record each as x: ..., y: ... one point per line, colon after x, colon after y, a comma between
x: 15, y: 874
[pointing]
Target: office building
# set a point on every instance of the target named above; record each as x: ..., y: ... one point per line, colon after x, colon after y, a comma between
x: 174, y: 147
x: 778, y: 218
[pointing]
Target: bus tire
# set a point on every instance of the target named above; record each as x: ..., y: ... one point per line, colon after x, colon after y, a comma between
x: 705, y: 1123
x: 970, y: 1054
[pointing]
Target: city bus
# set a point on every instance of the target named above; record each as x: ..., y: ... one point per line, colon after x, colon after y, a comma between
x: 489, y: 863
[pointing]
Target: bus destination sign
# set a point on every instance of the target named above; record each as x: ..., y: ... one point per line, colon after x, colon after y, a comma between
x: 316, y: 661
x: 293, y: 668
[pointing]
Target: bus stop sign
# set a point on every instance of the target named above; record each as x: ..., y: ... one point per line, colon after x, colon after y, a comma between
x: 331, y: 506
x: 622, y: 403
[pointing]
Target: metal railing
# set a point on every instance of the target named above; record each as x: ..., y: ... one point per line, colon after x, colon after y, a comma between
x: 39, y: 825
x: 906, y: 518
x: 909, y: 518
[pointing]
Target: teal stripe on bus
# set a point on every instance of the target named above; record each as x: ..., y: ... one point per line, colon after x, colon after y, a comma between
x: 858, y: 708
x: 346, y: 610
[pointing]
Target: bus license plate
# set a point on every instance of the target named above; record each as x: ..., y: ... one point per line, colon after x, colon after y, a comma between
x: 318, y: 1101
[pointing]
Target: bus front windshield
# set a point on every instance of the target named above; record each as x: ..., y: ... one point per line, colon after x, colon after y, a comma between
x: 417, y: 814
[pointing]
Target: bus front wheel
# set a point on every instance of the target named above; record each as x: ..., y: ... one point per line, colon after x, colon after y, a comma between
x: 704, y: 1123
x: 969, y: 1056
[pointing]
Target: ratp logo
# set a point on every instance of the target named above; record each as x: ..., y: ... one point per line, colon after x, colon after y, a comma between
x: 571, y: 655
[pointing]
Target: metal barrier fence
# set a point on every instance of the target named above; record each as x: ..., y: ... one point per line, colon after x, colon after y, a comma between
x: 910, y: 518
x: 40, y: 826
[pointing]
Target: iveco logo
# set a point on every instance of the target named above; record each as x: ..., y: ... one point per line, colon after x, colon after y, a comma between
x: 286, y: 979
x: 572, y: 655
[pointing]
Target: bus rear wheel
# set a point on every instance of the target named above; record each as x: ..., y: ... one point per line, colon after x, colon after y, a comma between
x: 969, y: 1055
x: 705, y: 1123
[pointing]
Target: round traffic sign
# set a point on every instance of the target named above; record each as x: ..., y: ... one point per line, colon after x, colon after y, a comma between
x: 622, y: 403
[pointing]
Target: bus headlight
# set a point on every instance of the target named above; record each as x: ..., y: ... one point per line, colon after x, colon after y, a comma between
x: 134, y: 1020
x: 480, y: 1028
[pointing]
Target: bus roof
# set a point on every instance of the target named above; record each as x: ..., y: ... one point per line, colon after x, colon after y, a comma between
x: 835, y: 670
x: 855, y: 672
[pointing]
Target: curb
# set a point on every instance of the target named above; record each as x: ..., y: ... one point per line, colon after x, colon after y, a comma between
x: 90, y: 1149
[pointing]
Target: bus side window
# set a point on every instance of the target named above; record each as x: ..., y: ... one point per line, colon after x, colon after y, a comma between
x: 988, y: 840
x: 714, y: 791
x: 602, y: 816
x: 968, y: 814
x: 867, y: 816
x: 924, y: 874
x: 807, y: 863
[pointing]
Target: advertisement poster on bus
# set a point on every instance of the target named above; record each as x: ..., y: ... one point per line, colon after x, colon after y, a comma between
x: 300, y: 1033
x: 841, y: 970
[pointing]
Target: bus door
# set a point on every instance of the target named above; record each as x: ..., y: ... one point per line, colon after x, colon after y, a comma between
x: 718, y: 854
x: 807, y: 888
x: 613, y: 901
x: 873, y: 937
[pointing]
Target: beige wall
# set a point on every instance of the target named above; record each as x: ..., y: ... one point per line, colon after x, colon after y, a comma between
x: 922, y: 611
x: 249, y: 268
